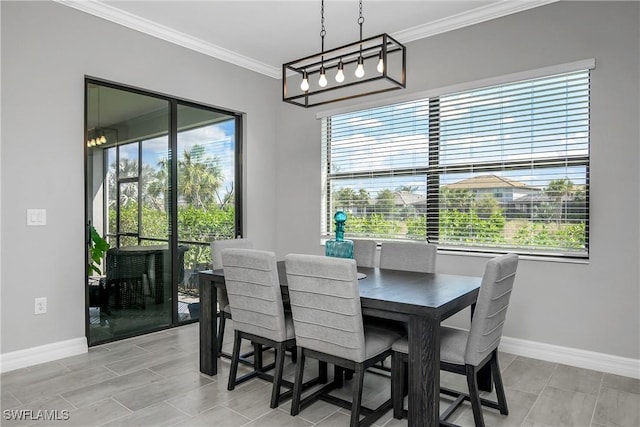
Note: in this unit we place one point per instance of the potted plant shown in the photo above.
(98, 246)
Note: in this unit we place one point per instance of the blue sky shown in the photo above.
(218, 140)
(524, 122)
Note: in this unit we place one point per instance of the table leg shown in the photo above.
(424, 371)
(208, 328)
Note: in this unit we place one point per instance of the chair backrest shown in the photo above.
(364, 252)
(409, 256)
(325, 305)
(254, 292)
(122, 264)
(491, 308)
(218, 245)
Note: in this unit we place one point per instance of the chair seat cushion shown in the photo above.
(453, 343)
(379, 339)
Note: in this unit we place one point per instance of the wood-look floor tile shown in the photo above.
(617, 408)
(179, 365)
(8, 400)
(561, 408)
(154, 380)
(100, 356)
(144, 361)
(160, 415)
(252, 404)
(33, 374)
(37, 390)
(576, 379)
(84, 396)
(217, 416)
(339, 418)
(528, 375)
(518, 402)
(165, 389)
(630, 385)
(278, 418)
(206, 397)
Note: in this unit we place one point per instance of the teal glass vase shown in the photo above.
(338, 247)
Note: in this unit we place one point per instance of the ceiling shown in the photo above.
(262, 35)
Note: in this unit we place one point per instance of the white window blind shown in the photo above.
(500, 168)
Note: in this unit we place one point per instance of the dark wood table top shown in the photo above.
(403, 292)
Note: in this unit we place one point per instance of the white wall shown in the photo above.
(47, 49)
(592, 307)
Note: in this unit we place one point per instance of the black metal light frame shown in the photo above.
(382, 46)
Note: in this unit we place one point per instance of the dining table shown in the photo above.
(421, 300)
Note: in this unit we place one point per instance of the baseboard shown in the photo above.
(41, 354)
(617, 365)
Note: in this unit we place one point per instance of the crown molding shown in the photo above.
(135, 22)
(465, 19)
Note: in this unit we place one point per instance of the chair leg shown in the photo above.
(221, 327)
(235, 357)
(277, 375)
(257, 357)
(398, 368)
(497, 380)
(357, 395)
(297, 385)
(474, 396)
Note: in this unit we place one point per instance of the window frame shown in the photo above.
(433, 169)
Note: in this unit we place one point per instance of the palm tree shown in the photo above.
(560, 191)
(199, 177)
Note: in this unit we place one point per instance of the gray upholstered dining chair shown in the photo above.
(409, 256)
(466, 352)
(327, 318)
(255, 300)
(217, 246)
(364, 252)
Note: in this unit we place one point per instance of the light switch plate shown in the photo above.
(36, 217)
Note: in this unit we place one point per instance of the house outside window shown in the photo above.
(502, 168)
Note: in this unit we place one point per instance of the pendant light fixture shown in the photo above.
(370, 65)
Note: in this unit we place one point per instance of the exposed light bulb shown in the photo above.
(360, 68)
(103, 139)
(305, 82)
(323, 78)
(340, 73)
(380, 66)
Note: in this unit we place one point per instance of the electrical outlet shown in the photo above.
(41, 305)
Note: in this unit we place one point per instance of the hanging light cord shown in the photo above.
(360, 22)
(323, 32)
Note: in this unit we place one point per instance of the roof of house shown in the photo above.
(489, 181)
(406, 198)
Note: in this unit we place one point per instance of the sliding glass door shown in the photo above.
(206, 192)
(151, 215)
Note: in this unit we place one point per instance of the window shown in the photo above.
(499, 168)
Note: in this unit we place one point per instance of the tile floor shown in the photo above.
(154, 380)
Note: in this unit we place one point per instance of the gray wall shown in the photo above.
(47, 49)
(594, 306)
